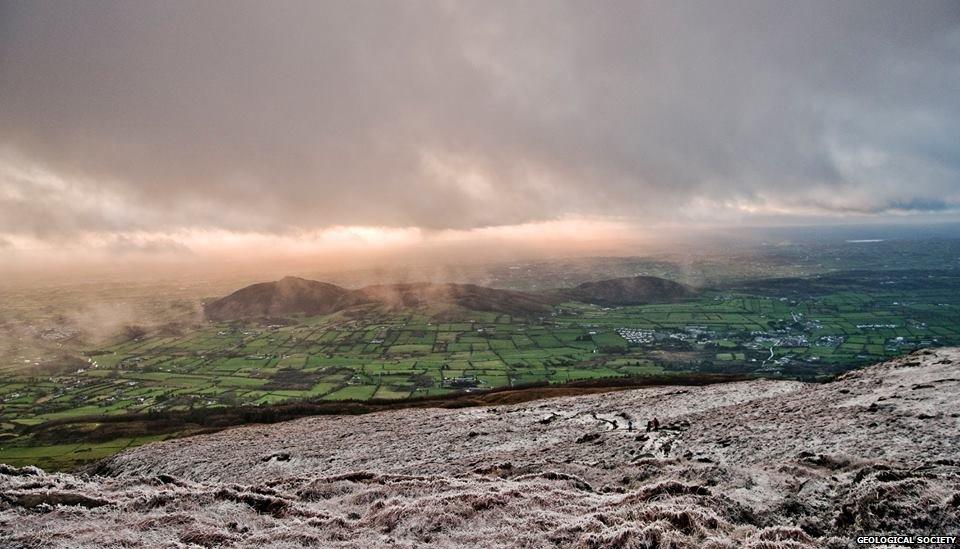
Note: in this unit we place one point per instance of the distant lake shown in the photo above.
(865, 240)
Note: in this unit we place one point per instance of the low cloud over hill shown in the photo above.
(292, 295)
(750, 464)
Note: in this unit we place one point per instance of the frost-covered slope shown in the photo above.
(761, 463)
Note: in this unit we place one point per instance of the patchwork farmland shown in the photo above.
(368, 353)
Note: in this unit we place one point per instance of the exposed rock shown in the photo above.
(753, 464)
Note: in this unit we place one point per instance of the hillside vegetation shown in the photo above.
(292, 295)
(635, 290)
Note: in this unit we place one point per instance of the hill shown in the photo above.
(762, 463)
(636, 290)
(287, 296)
(293, 295)
(467, 296)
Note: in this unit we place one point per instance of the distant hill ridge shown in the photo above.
(293, 295)
(634, 290)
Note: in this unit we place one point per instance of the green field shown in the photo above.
(372, 354)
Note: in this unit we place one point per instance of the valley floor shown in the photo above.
(758, 463)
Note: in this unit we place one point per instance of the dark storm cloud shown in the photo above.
(277, 116)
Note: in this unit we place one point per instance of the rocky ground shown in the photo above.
(763, 464)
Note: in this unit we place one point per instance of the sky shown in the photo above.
(204, 129)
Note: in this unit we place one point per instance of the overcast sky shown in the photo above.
(173, 119)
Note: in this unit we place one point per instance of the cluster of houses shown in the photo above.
(461, 382)
(635, 336)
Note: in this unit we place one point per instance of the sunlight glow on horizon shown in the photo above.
(337, 239)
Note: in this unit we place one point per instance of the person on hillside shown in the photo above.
(656, 424)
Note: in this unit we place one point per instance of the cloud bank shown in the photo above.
(290, 117)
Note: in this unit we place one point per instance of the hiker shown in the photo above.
(649, 425)
(656, 424)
